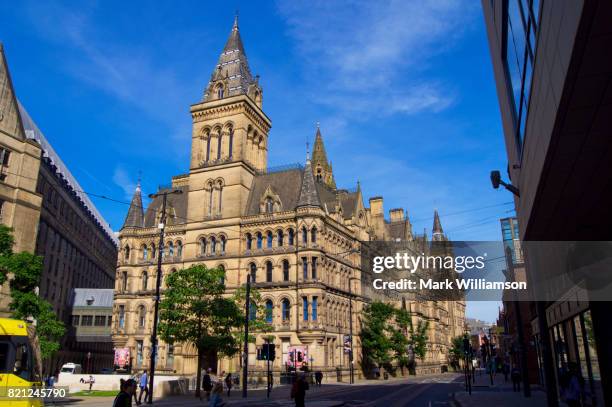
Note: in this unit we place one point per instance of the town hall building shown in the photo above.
(291, 229)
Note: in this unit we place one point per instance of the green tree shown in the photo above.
(456, 350)
(24, 270)
(375, 340)
(418, 339)
(257, 318)
(399, 337)
(195, 311)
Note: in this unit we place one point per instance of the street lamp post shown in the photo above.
(351, 360)
(247, 312)
(162, 229)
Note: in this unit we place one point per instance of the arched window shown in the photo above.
(124, 281)
(249, 241)
(210, 199)
(213, 245)
(269, 240)
(290, 237)
(279, 238)
(145, 252)
(126, 253)
(253, 272)
(269, 205)
(202, 247)
(219, 143)
(269, 308)
(220, 91)
(220, 198)
(285, 270)
(252, 311)
(179, 249)
(286, 310)
(223, 243)
(231, 142)
(269, 271)
(153, 254)
(313, 234)
(208, 147)
(145, 280)
(259, 240)
(142, 314)
(170, 249)
(304, 235)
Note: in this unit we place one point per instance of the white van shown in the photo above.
(71, 368)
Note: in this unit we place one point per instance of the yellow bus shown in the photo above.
(20, 364)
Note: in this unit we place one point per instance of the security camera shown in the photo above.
(495, 179)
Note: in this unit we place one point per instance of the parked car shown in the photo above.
(71, 368)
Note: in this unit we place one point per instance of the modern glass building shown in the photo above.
(552, 62)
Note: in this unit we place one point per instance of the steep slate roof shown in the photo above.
(309, 195)
(285, 184)
(10, 119)
(176, 205)
(233, 66)
(135, 215)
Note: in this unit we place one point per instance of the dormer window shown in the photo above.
(220, 91)
(269, 205)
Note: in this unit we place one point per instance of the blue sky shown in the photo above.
(403, 90)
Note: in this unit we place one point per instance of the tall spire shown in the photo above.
(10, 119)
(308, 193)
(321, 165)
(437, 232)
(135, 215)
(232, 71)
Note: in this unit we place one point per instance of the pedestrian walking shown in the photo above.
(126, 389)
(91, 382)
(516, 379)
(572, 385)
(207, 384)
(216, 399)
(228, 383)
(144, 387)
(136, 380)
(298, 390)
(319, 377)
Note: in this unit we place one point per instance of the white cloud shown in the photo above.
(123, 180)
(371, 57)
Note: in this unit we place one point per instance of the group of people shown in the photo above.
(128, 389)
(214, 388)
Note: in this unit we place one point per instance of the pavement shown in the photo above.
(499, 394)
(426, 390)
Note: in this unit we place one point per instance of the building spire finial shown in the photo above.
(235, 27)
(307, 151)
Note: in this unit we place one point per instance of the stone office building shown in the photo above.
(291, 229)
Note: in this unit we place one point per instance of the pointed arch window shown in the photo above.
(142, 316)
(179, 249)
(304, 235)
(279, 238)
(127, 253)
(269, 205)
(170, 249)
(253, 272)
(269, 310)
(269, 240)
(145, 252)
(290, 237)
(269, 271)
(213, 245)
(313, 235)
(219, 144)
(259, 240)
(223, 244)
(286, 310)
(145, 280)
(249, 241)
(285, 270)
(124, 280)
(252, 311)
(231, 142)
(208, 147)
(210, 199)
(153, 253)
(220, 198)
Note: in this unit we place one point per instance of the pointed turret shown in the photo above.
(10, 119)
(308, 193)
(232, 75)
(135, 215)
(437, 232)
(322, 167)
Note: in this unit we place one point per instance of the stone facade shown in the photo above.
(291, 229)
(19, 165)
